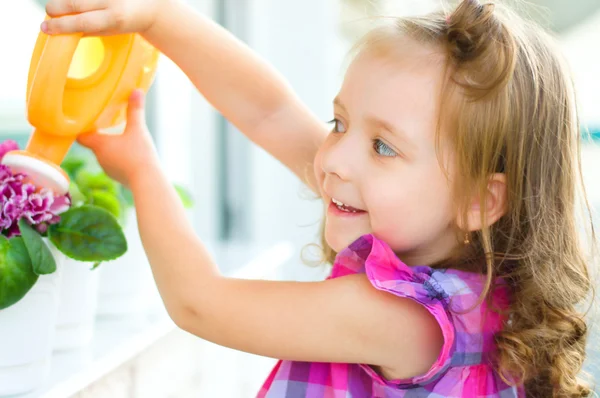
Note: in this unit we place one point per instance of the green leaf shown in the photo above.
(185, 196)
(77, 197)
(88, 182)
(105, 200)
(41, 257)
(89, 233)
(71, 165)
(16, 272)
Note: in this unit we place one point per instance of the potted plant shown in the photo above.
(80, 280)
(38, 230)
(79, 288)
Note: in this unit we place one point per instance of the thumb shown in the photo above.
(136, 113)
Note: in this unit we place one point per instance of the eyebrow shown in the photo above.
(382, 124)
(338, 102)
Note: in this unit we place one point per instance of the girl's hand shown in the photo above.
(123, 156)
(101, 17)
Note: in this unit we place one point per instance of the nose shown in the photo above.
(341, 157)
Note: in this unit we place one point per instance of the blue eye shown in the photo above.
(338, 127)
(383, 149)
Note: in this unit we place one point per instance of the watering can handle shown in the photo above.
(46, 92)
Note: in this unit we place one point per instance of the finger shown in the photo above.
(57, 8)
(92, 140)
(88, 22)
(136, 114)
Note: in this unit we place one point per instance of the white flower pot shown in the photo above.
(126, 284)
(77, 308)
(27, 334)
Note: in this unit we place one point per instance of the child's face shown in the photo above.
(381, 158)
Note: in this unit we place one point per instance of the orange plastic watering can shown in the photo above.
(76, 85)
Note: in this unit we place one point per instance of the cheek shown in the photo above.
(410, 213)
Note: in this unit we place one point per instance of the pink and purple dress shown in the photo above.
(464, 367)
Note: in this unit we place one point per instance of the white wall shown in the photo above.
(18, 35)
(300, 38)
(580, 46)
(185, 130)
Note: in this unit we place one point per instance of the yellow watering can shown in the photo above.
(76, 85)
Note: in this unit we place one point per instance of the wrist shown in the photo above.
(163, 12)
(142, 174)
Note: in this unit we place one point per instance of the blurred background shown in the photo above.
(241, 194)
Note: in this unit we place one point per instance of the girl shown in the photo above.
(449, 185)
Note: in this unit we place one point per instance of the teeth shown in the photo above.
(337, 202)
(343, 207)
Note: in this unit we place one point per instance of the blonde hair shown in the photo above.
(513, 112)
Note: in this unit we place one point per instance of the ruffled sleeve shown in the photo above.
(387, 273)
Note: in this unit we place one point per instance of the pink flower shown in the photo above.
(20, 199)
(7, 146)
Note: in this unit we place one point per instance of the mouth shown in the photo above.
(339, 205)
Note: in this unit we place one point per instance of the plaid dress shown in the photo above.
(464, 367)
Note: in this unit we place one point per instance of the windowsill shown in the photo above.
(118, 340)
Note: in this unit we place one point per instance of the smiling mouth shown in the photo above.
(345, 208)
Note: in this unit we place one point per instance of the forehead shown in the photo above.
(396, 69)
(399, 82)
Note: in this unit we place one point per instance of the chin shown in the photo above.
(338, 241)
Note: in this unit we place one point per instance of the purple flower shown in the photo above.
(7, 146)
(42, 228)
(60, 204)
(20, 199)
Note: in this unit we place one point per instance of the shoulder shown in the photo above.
(454, 290)
(408, 319)
(435, 303)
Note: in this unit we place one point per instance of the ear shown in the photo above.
(494, 205)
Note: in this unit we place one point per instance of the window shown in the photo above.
(18, 33)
